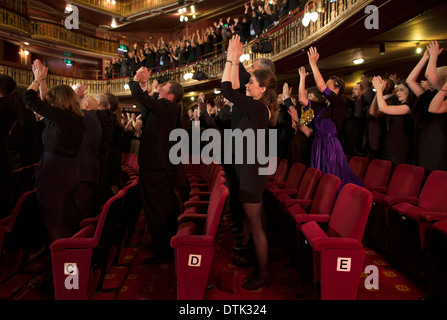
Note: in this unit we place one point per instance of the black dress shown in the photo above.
(58, 171)
(251, 183)
(397, 139)
(430, 135)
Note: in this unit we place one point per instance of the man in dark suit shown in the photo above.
(157, 173)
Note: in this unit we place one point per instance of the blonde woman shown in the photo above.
(58, 173)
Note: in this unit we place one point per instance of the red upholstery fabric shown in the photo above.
(411, 224)
(359, 165)
(338, 253)
(350, 213)
(194, 246)
(377, 175)
(91, 250)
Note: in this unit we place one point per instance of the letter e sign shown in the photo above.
(344, 264)
(194, 260)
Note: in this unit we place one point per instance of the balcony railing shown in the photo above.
(286, 38)
(124, 8)
(57, 33)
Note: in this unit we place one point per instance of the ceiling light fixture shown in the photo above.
(68, 8)
(418, 49)
(358, 61)
(382, 48)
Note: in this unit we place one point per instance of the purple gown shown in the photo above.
(327, 153)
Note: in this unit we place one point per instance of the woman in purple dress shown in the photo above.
(327, 152)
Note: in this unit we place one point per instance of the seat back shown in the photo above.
(406, 181)
(359, 165)
(281, 172)
(325, 195)
(378, 173)
(433, 195)
(309, 184)
(350, 214)
(294, 176)
(215, 209)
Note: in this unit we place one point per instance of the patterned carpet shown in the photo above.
(131, 279)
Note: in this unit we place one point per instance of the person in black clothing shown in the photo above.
(114, 160)
(58, 171)
(8, 116)
(260, 106)
(157, 174)
(88, 158)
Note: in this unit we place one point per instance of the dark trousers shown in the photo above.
(161, 208)
(82, 205)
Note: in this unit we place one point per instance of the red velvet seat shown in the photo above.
(411, 223)
(377, 175)
(278, 220)
(359, 165)
(406, 181)
(291, 183)
(332, 259)
(89, 253)
(281, 172)
(319, 211)
(20, 233)
(437, 260)
(195, 245)
(305, 192)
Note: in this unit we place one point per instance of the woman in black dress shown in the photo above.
(399, 124)
(57, 174)
(260, 113)
(430, 120)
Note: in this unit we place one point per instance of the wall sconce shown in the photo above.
(311, 16)
(187, 76)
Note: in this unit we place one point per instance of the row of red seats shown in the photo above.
(323, 228)
(82, 261)
(195, 241)
(406, 215)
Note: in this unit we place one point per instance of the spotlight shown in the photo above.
(358, 61)
(68, 8)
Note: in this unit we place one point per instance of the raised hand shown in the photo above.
(39, 71)
(433, 48)
(302, 72)
(293, 114)
(286, 91)
(313, 55)
(378, 84)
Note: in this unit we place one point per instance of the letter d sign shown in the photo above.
(194, 260)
